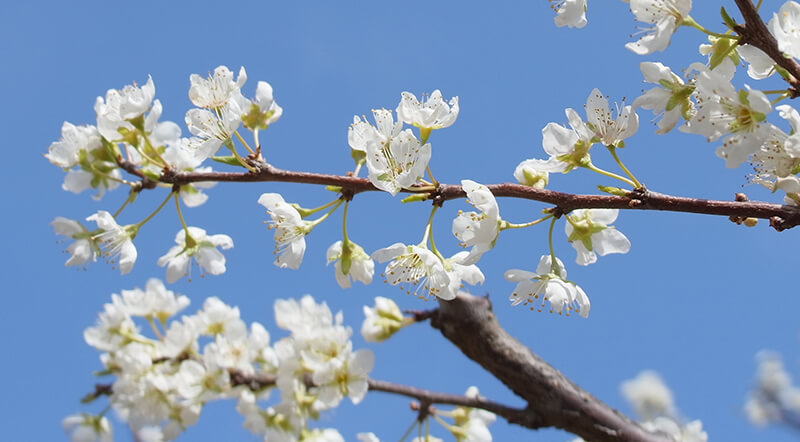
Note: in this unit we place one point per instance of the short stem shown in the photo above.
(409, 430)
(776, 91)
(435, 183)
(240, 159)
(337, 203)
(158, 209)
(180, 216)
(594, 168)
(428, 225)
(508, 225)
(357, 169)
(613, 151)
(309, 212)
(689, 21)
(345, 239)
(155, 329)
(244, 143)
(553, 259)
(116, 214)
(778, 99)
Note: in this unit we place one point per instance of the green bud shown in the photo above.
(415, 198)
(228, 159)
(616, 191)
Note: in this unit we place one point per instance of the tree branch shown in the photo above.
(755, 32)
(553, 400)
(781, 216)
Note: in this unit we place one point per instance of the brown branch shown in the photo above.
(755, 32)
(553, 400)
(781, 216)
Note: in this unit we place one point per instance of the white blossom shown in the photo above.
(215, 91)
(359, 265)
(477, 230)
(88, 428)
(397, 163)
(665, 16)
(382, 321)
(417, 266)
(65, 152)
(290, 230)
(590, 234)
(548, 284)
(121, 106)
(784, 26)
(608, 130)
(649, 396)
(346, 376)
(201, 247)
(428, 114)
(570, 13)
(670, 100)
(84, 248)
(155, 301)
(361, 132)
(117, 240)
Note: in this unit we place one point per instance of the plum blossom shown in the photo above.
(382, 321)
(427, 114)
(590, 234)
(774, 394)
(527, 175)
(345, 376)
(115, 112)
(155, 301)
(608, 130)
(570, 13)
(417, 266)
(665, 16)
(88, 428)
(477, 230)
(550, 284)
(350, 262)
(459, 270)
(649, 396)
(361, 132)
(195, 244)
(117, 240)
(722, 110)
(290, 230)
(215, 91)
(65, 153)
(670, 101)
(84, 248)
(262, 111)
(398, 163)
(784, 26)
(472, 424)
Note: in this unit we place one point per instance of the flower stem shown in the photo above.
(336, 204)
(158, 209)
(613, 151)
(779, 98)
(435, 183)
(180, 216)
(345, 239)
(155, 329)
(409, 430)
(689, 21)
(239, 158)
(594, 168)
(553, 261)
(244, 143)
(507, 225)
(116, 214)
(428, 228)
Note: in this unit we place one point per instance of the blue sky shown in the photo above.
(695, 298)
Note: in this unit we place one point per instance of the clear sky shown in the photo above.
(695, 298)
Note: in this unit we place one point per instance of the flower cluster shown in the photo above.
(163, 381)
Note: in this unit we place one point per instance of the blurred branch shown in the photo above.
(781, 216)
(553, 400)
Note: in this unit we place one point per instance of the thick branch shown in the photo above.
(755, 32)
(553, 400)
(781, 216)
